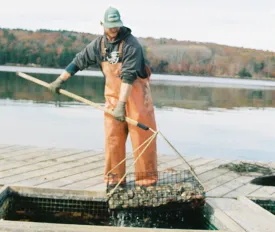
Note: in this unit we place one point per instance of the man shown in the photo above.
(127, 93)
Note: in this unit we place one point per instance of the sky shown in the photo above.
(241, 23)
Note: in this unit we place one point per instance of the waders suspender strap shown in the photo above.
(120, 49)
(103, 49)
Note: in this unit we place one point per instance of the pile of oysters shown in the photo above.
(155, 196)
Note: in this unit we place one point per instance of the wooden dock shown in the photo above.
(75, 169)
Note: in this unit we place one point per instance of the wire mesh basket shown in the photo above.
(140, 190)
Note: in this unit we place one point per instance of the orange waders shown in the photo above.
(139, 107)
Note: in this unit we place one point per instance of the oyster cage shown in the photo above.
(141, 190)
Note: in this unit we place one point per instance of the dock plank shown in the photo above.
(38, 153)
(65, 156)
(87, 183)
(176, 164)
(244, 190)
(220, 180)
(250, 218)
(212, 174)
(191, 161)
(17, 155)
(12, 163)
(44, 156)
(166, 157)
(12, 149)
(230, 186)
(169, 164)
(35, 177)
(2, 146)
(202, 161)
(97, 187)
(210, 166)
(74, 176)
(263, 191)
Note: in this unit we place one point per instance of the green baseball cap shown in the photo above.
(112, 18)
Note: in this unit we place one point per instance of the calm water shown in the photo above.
(234, 123)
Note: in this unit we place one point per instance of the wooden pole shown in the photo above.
(81, 99)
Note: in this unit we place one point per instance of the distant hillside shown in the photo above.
(49, 48)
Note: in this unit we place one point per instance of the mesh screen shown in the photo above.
(55, 210)
(38, 209)
(269, 205)
(4, 205)
(142, 190)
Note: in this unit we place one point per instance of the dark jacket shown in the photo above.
(133, 63)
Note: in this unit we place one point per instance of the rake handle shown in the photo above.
(81, 99)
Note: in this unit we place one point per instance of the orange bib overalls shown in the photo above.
(139, 107)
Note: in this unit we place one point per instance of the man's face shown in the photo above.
(111, 33)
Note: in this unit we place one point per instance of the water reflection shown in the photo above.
(92, 88)
(242, 133)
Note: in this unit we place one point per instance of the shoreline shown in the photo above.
(165, 79)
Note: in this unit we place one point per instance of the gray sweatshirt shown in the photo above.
(133, 63)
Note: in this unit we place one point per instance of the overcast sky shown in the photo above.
(242, 23)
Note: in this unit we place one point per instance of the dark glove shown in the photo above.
(55, 85)
(119, 111)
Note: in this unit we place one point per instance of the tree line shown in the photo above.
(56, 49)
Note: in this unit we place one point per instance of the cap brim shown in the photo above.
(112, 25)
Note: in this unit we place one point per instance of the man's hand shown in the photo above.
(119, 111)
(55, 85)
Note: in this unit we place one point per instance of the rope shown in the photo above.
(130, 153)
(149, 142)
(190, 167)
